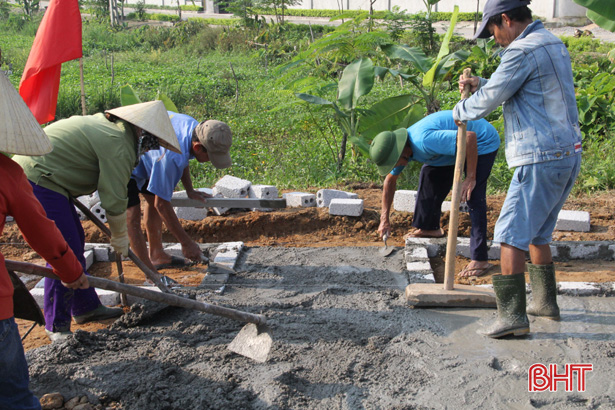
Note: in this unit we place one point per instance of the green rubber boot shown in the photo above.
(510, 299)
(544, 292)
(100, 313)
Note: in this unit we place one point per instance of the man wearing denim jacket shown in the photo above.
(534, 84)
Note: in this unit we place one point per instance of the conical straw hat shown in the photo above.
(20, 133)
(153, 118)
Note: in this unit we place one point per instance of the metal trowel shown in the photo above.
(386, 251)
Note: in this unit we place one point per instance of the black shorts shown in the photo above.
(133, 192)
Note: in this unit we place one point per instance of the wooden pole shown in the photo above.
(167, 298)
(453, 225)
(84, 110)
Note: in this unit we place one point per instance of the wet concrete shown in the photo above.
(343, 339)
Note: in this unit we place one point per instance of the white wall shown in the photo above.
(547, 9)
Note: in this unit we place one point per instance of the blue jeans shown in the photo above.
(536, 194)
(14, 377)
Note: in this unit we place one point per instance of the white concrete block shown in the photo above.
(183, 194)
(463, 206)
(190, 214)
(577, 221)
(404, 200)
(102, 253)
(348, 207)
(89, 200)
(99, 212)
(324, 196)
(494, 251)
(233, 187)
(9, 218)
(107, 297)
(263, 192)
(433, 245)
(463, 247)
(421, 267)
(219, 210)
(416, 254)
(81, 215)
(584, 250)
(299, 199)
(40, 284)
(430, 278)
(89, 258)
(228, 253)
(578, 288)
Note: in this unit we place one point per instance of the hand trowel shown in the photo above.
(386, 251)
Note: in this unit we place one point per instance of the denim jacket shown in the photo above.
(535, 85)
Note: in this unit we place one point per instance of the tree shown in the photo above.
(278, 7)
(29, 6)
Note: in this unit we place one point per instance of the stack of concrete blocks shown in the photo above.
(325, 196)
(230, 187)
(93, 203)
(339, 202)
(299, 199)
(263, 192)
(573, 221)
(417, 263)
(191, 213)
(89, 201)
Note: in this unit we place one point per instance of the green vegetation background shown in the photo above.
(228, 74)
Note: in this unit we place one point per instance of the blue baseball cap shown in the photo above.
(493, 8)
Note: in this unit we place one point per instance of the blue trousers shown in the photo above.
(434, 185)
(14, 378)
(61, 302)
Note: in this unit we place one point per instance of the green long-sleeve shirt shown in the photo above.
(89, 153)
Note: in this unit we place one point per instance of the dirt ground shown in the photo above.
(305, 261)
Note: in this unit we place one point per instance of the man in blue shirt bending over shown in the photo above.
(156, 176)
(433, 142)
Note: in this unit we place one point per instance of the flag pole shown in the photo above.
(84, 110)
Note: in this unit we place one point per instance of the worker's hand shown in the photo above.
(119, 233)
(384, 228)
(466, 189)
(473, 81)
(80, 283)
(459, 123)
(198, 195)
(192, 251)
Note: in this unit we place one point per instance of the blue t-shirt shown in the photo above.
(434, 139)
(162, 167)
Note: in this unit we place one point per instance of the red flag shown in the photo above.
(57, 40)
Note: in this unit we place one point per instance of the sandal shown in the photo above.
(478, 272)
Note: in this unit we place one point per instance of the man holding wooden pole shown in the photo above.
(534, 83)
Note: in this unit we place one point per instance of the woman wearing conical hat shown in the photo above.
(21, 134)
(92, 152)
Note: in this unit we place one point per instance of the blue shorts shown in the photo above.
(536, 194)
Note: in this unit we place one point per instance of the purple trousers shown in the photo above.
(61, 302)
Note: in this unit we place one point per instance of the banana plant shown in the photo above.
(427, 74)
(128, 96)
(600, 12)
(357, 81)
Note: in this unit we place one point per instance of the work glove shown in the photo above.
(119, 233)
